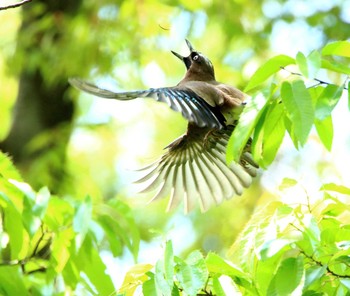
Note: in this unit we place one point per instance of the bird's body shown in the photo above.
(194, 166)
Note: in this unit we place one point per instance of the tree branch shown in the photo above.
(15, 5)
(322, 265)
(24, 261)
(316, 79)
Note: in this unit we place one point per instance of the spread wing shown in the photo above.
(180, 99)
(194, 170)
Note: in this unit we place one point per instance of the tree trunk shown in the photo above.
(43, 111)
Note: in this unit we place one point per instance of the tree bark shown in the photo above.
(43, 112)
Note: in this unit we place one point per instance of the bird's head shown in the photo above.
(197, 64)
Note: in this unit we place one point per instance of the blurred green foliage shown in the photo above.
(46, 239)
(56, 243)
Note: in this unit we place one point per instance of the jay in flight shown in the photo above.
(193, 169)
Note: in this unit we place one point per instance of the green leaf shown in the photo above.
(148, 287)
(325, 131)
(309, 66)
(7, 169)
(169, 264)
(346, 283)
(34, 209)
(244, 129)
(272, 247)
(271, 67)
(110, 228)
(71, 274)
(314, 63)
(341, 289)
(217, 287)
(334, 66)
(313, 274)
(289, 275)
(135, 276)
(287, 183)
(311, 230)
(333, 210)
(257, 145)
(271, 290)
(302, 64)
(336, 207)
(327, 100)
(192, 273)
(90, 262)
(349, 95)
(218, 265)
(164, 275)
(61, 251)
(251, 235)
(315, 93)
(298, 103)
(30, 222)
(161, 280)
(117, 220)
(12, 281)
(337, 188)
(340, 48)
(58, 213)
(41, 202)
(290, 129)
(343, 258)
(81, 221)
(175, 291)
(13, 226)
(272, 134)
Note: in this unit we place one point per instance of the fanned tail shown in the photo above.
(194, 170)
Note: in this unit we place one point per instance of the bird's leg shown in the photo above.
(211, 138)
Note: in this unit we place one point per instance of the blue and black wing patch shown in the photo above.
(188, 103)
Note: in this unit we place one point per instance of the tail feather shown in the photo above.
(194, 170)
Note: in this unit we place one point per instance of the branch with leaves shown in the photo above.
(319, 81)
(269, 258)
(41, 250)
(302, 107)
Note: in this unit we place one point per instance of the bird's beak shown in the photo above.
(190, 47)
(178, 55)
(186, 60)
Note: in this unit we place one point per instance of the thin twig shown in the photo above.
(319, 263)
(290, 72)
(316, 79)
(15, 5)
(38, 242)
(24, 261)
(322, 265)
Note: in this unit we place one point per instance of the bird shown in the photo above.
(193, 169)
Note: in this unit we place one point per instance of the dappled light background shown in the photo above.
(124, 45)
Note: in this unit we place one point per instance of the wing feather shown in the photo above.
(192, 107)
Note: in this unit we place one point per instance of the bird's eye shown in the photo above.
(196, 57)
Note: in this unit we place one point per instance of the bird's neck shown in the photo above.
(198, 76)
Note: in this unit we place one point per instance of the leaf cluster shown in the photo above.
(49, 244)
(293, 105)
(285, 249)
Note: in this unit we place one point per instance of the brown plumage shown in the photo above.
(194, 168)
